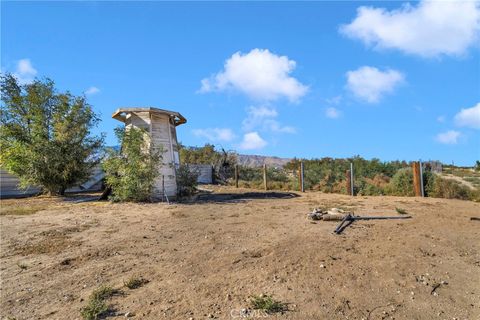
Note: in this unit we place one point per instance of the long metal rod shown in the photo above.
(349, 219)
(379, 218)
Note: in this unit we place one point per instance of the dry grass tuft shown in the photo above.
(96, 305)
(135, 282)
(21, 211)
(268, 304)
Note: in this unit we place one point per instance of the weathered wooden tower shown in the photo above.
(161, 126)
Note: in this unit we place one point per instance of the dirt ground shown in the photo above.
(205, 259)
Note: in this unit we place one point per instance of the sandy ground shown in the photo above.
(205, 259)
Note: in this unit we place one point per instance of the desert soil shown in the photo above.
(206, 258)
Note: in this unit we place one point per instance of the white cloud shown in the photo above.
(448, 137)
(252, 140)
(370, 83)
(441, 119)
(429, 29)
(334, 100)
(25, 72)
(469, 117)
(259, 74)
(275, 126)
(92, 90)
(263, 117)
(215, 134)
(256, 116)
(332, 113)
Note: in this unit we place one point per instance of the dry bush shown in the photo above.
(449, 189)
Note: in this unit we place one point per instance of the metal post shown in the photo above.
(302, 177)
(352, 183)
(421, 179)
(163, 187)
(265, 177)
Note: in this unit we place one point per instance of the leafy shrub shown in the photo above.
(367, 188)
(45, 136)
(223, 161)
(131, 172)
(401, 183)
(186, 180)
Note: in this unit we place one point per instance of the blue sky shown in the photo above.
(310, 79)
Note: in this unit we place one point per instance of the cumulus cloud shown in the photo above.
(428, 29)
(92, 90)
(215, 134)
(259, 74)
(263, 117)
(25, 72)
(332, 113)
(469, 117)
(252, 140)
(448, 137)
(371, 84)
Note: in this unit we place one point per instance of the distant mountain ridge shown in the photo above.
(257, 161)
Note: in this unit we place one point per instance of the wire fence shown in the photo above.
(332, 177)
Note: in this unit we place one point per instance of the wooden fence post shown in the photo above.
(416, 179)
(265, 177)
(348, 176)
(299, 176)
(302, 176)
(352, 180)
(236, 176)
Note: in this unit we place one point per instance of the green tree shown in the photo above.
(223, 161)
(45, 136)
(131, 172)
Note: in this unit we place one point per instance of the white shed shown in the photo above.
(161, 125)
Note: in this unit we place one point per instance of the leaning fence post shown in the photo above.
(236, 176)
(416, 178)
(265, 176)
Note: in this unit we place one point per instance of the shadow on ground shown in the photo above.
(241, 197)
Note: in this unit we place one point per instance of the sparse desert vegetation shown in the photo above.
(210, 257)
(96, 304)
